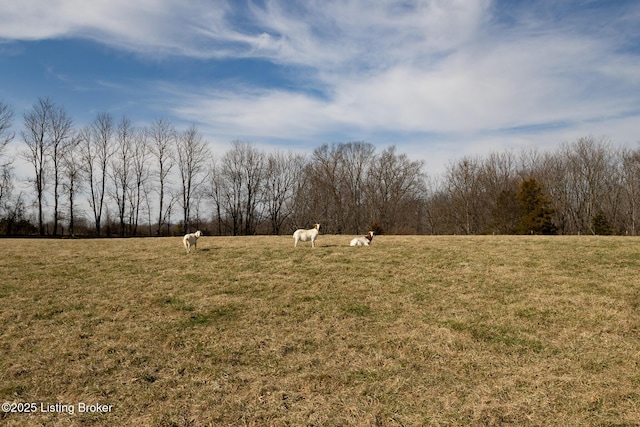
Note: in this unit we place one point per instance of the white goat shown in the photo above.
(362, 241)
(304, 235)
(191, 239)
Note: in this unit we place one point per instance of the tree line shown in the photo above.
(588, 187)
(111, 178)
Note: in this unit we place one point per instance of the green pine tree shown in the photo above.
(505, 214)
(536, 213)
(601, 225)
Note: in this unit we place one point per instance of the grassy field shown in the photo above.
(248, 331)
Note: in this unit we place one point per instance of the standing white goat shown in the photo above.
(191, 239)
(304, 235)
(362, 241)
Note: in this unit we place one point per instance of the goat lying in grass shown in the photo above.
(362, 241)
(304, 235)
(191, 239)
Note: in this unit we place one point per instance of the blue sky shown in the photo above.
(438, 78)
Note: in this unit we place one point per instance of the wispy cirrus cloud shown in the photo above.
(360, 34)
(495, 77)
(482, 72)
(157, 27)
(313, 33)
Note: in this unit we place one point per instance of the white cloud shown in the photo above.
(458, 69)
(481, 87)
(430, 66)
(159, 27)
(360, 34)
(314, 33)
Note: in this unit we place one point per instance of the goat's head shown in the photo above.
(369, 236)
(198, 234)
(317, 227)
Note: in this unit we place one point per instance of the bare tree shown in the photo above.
(72, 170)
(431, 221)
(354, 188)
(237, 183)
(463, 186)
(197, 206)
(15, 216)
(147, 198)
(140, 159)
(589, 173)
(303, 199)
(630, 181)
(6, 186)
(96, 150)
(499, 181)
(173, 200)
(325, 196)
(253, 164)
(122, 168)
(60, 129)
(216, 192)
(355, 162)
(282, 171)
(35, 136)
(193, 154)
(6, 136)
(162, 137)
(394, 185)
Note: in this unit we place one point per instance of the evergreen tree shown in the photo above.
(535, 210)
(505, 214)
(601, 225)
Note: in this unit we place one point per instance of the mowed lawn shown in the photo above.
(248, 331)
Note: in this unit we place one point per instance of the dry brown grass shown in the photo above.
(251, 332)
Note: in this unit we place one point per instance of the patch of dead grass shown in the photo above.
(250, 331)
